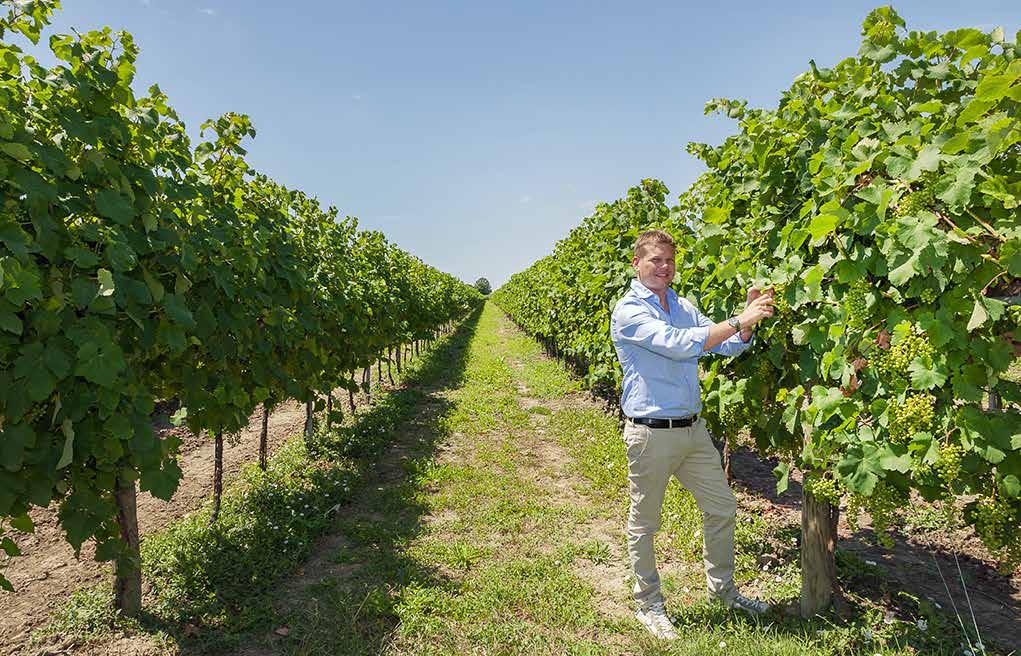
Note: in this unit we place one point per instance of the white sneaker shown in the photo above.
(748, 605)
(655, 619)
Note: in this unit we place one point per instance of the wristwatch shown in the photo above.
(736, 323)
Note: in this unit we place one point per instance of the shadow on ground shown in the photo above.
(338, 600)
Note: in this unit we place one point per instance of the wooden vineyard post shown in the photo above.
(818, 564)
(309, 419)
(329, 410)
(127, 586)
(217, 476)
(263, 436)
(726, 458)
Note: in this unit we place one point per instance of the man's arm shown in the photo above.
(634, 323)
(729, 342)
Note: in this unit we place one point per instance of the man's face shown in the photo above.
(656, 267)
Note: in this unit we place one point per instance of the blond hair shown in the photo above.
(653, 238)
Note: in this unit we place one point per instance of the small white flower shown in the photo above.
(922, 625)
(723, 644)
(870, 562)
(867, 634)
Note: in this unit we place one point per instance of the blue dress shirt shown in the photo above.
(659, 353)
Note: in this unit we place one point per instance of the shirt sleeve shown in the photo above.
(634, 323)
(729, 347)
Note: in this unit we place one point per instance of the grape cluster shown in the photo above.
(912, 416)
(928, 295)
(893, 364)
(823, 488)
(924, 198)
(948, 465)
(996, 523)
(881, 506)
(783, 316)
(734, 417)
(855, 304)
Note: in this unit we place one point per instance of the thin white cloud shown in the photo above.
(356, 96)
(525, 199)
(207, 11)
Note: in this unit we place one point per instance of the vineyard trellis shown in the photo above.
(136, 268)
(880, 201)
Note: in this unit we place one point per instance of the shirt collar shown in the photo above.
(645, 292)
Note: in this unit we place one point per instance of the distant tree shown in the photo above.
(483, 286)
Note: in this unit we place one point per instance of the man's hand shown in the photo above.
(759, 307)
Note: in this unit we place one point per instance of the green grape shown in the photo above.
(734, 417)
(996, 524)
(858, 314)
(893, 364)
(881, 506)
(783, 316)
(928, 295)
(823, 488)
(948, 465)
(924, 198)
(913, 415)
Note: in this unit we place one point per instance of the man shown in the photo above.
(659, 338)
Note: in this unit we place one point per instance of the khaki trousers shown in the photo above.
(653, 455)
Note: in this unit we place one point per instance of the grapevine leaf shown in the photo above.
(860, 469)
(82, 257)
(925, 374)
(10, 547)
(928, 159)
(1011, 485)
(161, 483)
(14, 440)
(10, 322)
(68, 452)
(105, 278)
(178, 311)
(115, 206)
(895, 457)
(822, 225)
(18, 151)
(100, 360)
(23, 523)
(956, 190)
(782, 472)
(155, 286)
(978, 316)
(40, 384)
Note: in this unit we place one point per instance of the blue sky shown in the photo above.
(476, 134)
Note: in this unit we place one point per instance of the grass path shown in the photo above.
(503, 534)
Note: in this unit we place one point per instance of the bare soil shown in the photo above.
(48, 571)
(918, 563)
